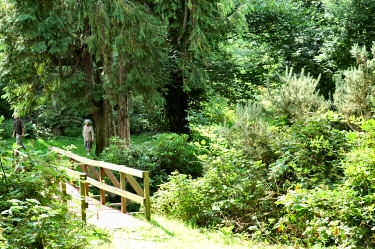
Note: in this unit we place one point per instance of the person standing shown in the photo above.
(19, 131)
(88, 136)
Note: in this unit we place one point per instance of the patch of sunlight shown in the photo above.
(165, 233)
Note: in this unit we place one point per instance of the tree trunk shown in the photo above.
(124, 119)
(103, 117)
(177, 104)
(57, 131)
(123, 103)
(101, 110)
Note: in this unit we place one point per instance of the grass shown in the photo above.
(167, 233)
(75, 145)
(41, 144)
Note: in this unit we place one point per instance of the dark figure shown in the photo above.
(19, 131)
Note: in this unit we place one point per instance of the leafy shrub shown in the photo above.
(57, 120)
(28, 224)
(31, 215)
(297, 97)
(340, 215)
(327, 217)
(73, 131)
(165, 154)
(355, 93)
(359, 164)
(30, 129)
(7, 128)
(309, 153)
(228, 194)
(146, 116)
(251, 133)
(216, 110)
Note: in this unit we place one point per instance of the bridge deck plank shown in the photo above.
(100, 215)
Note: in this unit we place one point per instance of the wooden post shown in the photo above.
(86, 184)
(123, 187)
(102, 193)
(64, 194)
(82, 181)
(146, 187)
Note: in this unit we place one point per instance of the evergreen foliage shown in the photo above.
(355, 93)
(297, 97)
(194, 30)
(251, 132)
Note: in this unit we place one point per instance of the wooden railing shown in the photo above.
(89, 166)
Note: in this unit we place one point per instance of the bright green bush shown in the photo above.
(343, 214)
(165, 154)
(240, 192)
(251, 133)
(359, 164)
(228, 194)
(326, 217)
(215, 110)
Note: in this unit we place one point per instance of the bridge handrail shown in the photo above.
(126, 173)
(111, 166)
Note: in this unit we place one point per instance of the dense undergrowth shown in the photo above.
(32, 215)
(285, 168)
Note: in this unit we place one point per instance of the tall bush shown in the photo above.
(251, 132)
(309, 153)
(228, 194)
(297, 96)
(340, 215)
(355, 92)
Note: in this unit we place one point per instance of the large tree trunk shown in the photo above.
(177, 104)
(123, 103)
(101, 110)
(123, 119)
(103, 117)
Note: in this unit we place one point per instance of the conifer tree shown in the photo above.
(194, 29)
(355, 92)
(128, 40)
(90, 54)
(298, 96)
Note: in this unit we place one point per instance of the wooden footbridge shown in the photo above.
(93, 175)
